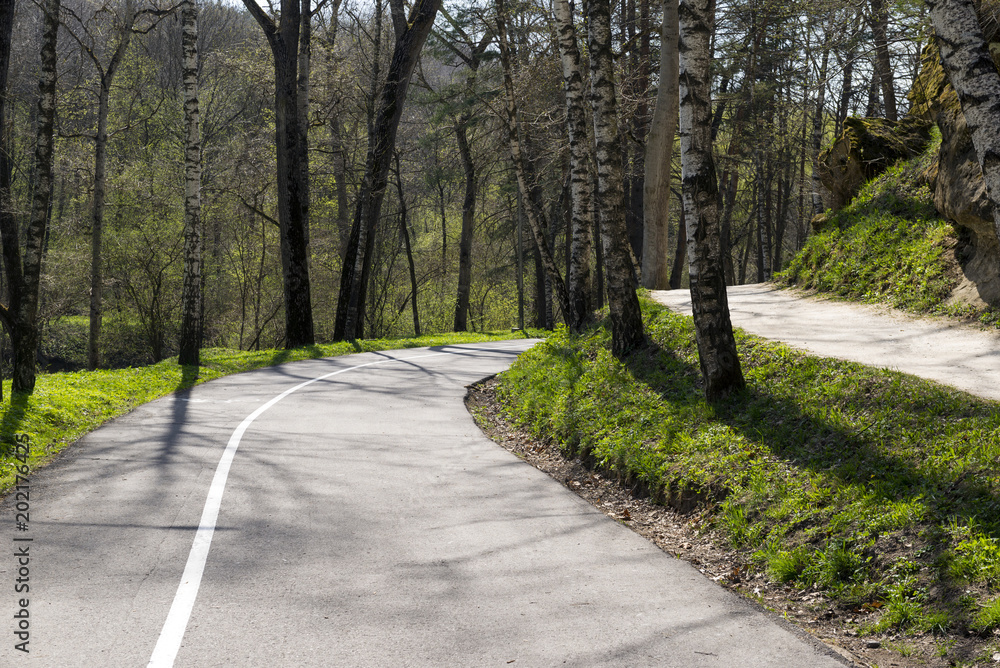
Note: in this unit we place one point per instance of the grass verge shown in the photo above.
(65, 406)
(876, 488)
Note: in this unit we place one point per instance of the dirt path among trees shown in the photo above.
(949, 352)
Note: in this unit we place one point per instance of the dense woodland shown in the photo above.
(279, 163)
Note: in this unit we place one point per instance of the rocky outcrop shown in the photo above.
(957, 180)
(865, 148)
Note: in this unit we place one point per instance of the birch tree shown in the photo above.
(626, 318)
(717, 355)
(580, 284)
(191, 298)
(20, 314)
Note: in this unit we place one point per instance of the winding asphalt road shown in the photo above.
(952, 353)
(361, 519)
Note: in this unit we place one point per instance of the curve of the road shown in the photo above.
(357, 517)
(945, 351)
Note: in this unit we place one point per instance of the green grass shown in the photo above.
(65, 406)
(878, 488)
(888, 245)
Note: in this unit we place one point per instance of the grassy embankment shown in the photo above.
(888, 245)
(878, 488)
(66, 406)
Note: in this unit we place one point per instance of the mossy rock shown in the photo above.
(865, 149)
(955, 176)
(820, 222)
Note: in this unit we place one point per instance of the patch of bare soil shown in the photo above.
(688, 537)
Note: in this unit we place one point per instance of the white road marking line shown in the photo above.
(169, 642)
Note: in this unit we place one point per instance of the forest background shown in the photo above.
(784, 78)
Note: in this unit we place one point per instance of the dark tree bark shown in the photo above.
(106, 76)
(847, 77)
(817, 137)
(8, 223)
(405, 233)
(627, 333)
(879, 22)
(293, 167)
(468, 221)
(717, 355)
(461, 126)
(20, 314)
(381, 140)
(679, 254)
(191, 299)
(335, 127)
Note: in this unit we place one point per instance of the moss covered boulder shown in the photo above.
(956, 179)
(866, 148)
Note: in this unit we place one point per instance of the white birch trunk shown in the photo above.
(191, 299)
(720, 364)
(580, 286)
(627, 332)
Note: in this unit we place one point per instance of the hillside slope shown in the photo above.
(889, 245)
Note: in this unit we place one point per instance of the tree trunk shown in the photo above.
(659, 159)
(191, 299)
(23, 277)
(679, 254)
(731, 183)
(292, 171)
(335, 127)
(468, 220)
(340, 177)
(405, 233)
(382, 139)
(880, 23)
(302, 113)
(541, 288)
(847, 83)
(532, 208)
(970, 69)
(580, 282)
(626, 319)
(8, 224)
(97, 227)
(817, 138)
(720, 364)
